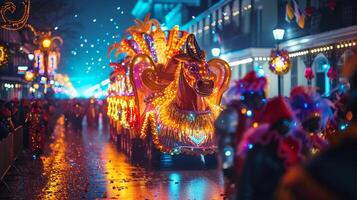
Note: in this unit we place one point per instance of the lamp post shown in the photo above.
(47, 57)
(46, 44)
(278, 33)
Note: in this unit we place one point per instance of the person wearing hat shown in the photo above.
(312, 113)
(246, 100)
(36, 130)
(268, 150)
(6, 125)
(332, 174)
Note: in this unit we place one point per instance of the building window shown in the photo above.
(214, 18)
(207, 24)
(200, 32)
(194, 28)
(321, 66)
(207, 31)
(294, 73)
(200, 27)
(220, 16)
(347, 15)
(235, 13)
(246, 16)
(227, 14)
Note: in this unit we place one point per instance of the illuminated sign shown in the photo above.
(22, 69)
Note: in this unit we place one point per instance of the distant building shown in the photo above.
(170, 12)
(241, 31)
(18, 45)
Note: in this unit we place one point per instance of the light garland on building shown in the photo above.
(4, 55)
(262, 58)
(299, 53)
(323, 49)
(346, 44)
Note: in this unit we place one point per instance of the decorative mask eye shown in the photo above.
(193, 68)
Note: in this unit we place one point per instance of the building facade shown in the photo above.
(242, 31)
(324, 44)
(17, 47)
(169, 12)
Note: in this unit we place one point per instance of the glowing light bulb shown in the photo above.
(228, 153)
(46, 43)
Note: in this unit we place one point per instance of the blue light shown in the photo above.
(228, 153)
(249, 113)
(260, 71)
(305, 105)
(343, 127)
(250, 146)
(295, 124)
(175, 177)
(158, 127)
(325, 66)
(197, 140)
(242, 97)
(191, 117)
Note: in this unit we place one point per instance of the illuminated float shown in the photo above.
(164, 96)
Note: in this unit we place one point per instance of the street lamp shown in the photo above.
(278, 33)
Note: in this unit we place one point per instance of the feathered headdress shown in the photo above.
(249, 83)
(306, 103)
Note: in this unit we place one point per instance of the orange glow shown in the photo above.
(255, 124)
(55, 163)
(29, 76)
(46, 43)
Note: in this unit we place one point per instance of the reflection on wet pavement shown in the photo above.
(88, 166)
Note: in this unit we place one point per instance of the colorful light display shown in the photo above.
(121, 100)
(39, 62)
(53, 60)
(29, 76)
(280, 62)
(168, 89)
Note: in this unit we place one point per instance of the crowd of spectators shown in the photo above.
(15, 113)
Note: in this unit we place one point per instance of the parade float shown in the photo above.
(164, 95)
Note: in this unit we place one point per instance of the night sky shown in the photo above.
(103, 22)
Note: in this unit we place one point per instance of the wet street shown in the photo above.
(89, 166)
